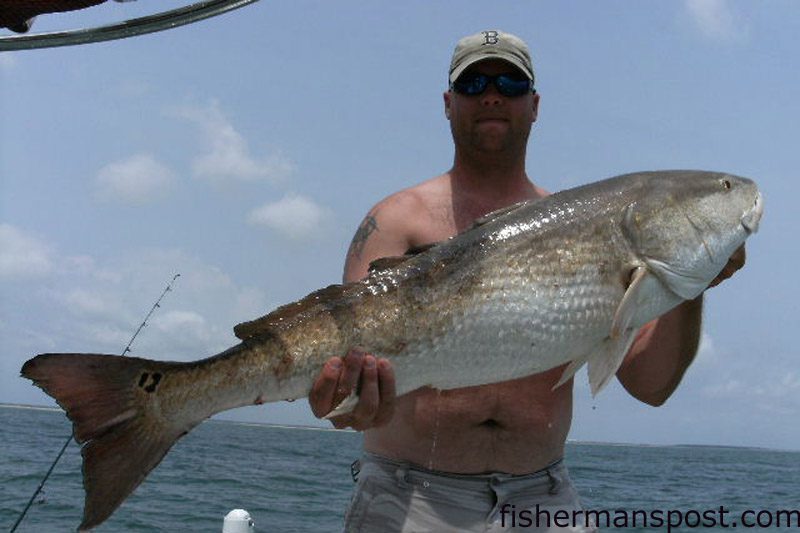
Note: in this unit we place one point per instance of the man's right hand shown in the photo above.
(372, 377)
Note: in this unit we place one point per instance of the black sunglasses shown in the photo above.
(506, 84)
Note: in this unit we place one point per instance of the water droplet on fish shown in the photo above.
(435, 435)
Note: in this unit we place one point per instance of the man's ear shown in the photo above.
(535, 106)
(447, 104)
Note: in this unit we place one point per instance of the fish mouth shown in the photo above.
(752, 217)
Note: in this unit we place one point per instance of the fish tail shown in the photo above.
(117, 416)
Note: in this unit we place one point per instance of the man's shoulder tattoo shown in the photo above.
(368, 226)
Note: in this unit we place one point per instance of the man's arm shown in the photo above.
(665, 347)
(661, 353)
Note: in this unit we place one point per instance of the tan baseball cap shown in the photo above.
(490, 44)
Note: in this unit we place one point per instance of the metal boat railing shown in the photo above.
(138, 26)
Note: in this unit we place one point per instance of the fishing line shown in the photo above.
(69, 439)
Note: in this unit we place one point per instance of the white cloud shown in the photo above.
(178, 320)
(724, 374)
(227, 154)
(114, 337)
(762, 390)
(293, 216)
(137, 180)
(716, 20)
(85, 301)
(23, 255)
(186, 328)
(725, 389)
(87, 310)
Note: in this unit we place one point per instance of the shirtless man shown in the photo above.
(453, 460)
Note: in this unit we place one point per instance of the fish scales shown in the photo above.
(548, 293)
(564, 280)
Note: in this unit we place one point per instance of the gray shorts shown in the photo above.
(397, 497)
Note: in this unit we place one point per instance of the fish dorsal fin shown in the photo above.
(282, 314)
(416, 250)
(386, 263)
(488, 217)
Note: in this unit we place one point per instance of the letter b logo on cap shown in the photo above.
(490, 37)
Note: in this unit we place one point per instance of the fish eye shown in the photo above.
(726, 184)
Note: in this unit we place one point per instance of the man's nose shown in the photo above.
(491, 96)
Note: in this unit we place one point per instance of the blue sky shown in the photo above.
(242, 152)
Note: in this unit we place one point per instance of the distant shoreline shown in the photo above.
(319, 428)
(57, 409)
(30, 406)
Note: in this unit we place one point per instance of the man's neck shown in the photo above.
(496, 183)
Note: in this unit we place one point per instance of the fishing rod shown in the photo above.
(127, 349)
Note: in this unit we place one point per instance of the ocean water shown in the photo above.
(298, 480)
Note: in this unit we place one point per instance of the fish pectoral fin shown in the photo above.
(604, 363)
(345, 406)
(630, 303)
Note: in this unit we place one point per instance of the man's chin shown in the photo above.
(491, 143)
(493, 128)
